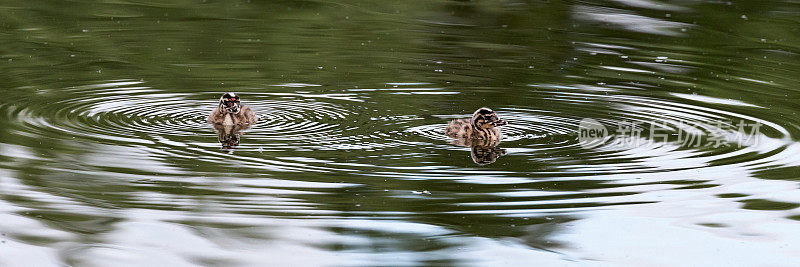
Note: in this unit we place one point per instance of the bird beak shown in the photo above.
(499, 123)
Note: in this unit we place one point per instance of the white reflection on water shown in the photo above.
(618, 18)
(715, 100)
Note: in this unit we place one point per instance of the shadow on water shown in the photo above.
(105, 155)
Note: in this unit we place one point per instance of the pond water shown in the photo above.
(106, 158)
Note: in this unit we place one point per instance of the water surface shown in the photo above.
(105, 156)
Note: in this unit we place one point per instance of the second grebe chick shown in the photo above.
(483, 125)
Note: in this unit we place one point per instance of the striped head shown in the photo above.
(230, 103)
(485, 118)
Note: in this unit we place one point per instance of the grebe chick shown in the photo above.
(230, 111)
(483, 125)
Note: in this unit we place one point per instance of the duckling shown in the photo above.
(230, 111)
(482, 125)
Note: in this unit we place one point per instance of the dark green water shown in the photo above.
(106, 159)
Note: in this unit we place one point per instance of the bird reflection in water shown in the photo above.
(228, 135)
(483, 151)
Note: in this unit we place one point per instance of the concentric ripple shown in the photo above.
(522, 124)
(123, 111)
(645, 133)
